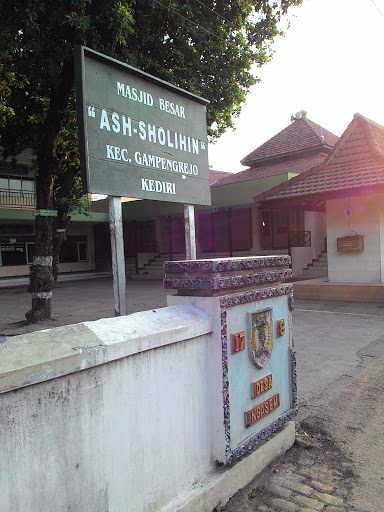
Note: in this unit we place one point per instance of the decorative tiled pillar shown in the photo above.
(252, 309)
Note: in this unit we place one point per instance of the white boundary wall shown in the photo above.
(119, 415)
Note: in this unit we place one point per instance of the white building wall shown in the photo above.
(349, 216)
(315, 223)
(301, 256)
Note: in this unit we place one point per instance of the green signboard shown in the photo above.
(45, 213)
(139, 136)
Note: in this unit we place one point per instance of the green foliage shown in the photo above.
(207, 47)
(68, 194)
(204, 46)
(9, 80)
(36, 44)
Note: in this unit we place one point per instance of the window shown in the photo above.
(73, 250)
(20, 251)
(68, 252)
(82, 248)
(18, 185)
(28, 185)
(30, 249)
(15, 184)
(13, 253)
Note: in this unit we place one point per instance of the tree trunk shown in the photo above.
(59, 236)
(41, 276)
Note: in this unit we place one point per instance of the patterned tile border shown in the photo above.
(225, 265)
(233, 300)
(224, 282)
(254, 295)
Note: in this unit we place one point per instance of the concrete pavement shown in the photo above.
(334, 342)
(337, 462)
(77, 301)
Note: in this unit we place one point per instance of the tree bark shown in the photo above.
(41, 275)
(40, 278)
(61, 223)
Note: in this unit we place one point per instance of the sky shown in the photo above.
(330, 63)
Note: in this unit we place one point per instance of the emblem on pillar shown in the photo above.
(261, 336)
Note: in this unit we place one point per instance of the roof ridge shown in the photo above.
(301, 134)
(367, 125)
(370, 121)
(310, 123)
(342, 140)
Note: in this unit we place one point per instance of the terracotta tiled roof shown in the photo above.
(302, 134)
(293, 167)
(377, 135)
(355, 166)
(215, 176)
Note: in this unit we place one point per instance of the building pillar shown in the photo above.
(256, 229)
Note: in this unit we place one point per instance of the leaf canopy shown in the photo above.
(204, 46)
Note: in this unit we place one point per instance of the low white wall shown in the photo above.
(301, 256)
(19, 270)
(23, 270)
(364, 219)
(114, 415)
(81, 266)
(145, 257)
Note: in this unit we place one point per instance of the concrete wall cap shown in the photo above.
(43, 355)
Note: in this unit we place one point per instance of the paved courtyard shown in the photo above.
(78, 301)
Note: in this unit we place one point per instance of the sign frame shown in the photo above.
(350, 244)
(144, 176)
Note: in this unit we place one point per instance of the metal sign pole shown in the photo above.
(118, 261)
(190, 233)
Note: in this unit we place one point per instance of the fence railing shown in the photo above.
(299, 239)
(100, 206)
(17, 199)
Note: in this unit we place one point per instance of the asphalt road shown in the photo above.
(334, 342)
